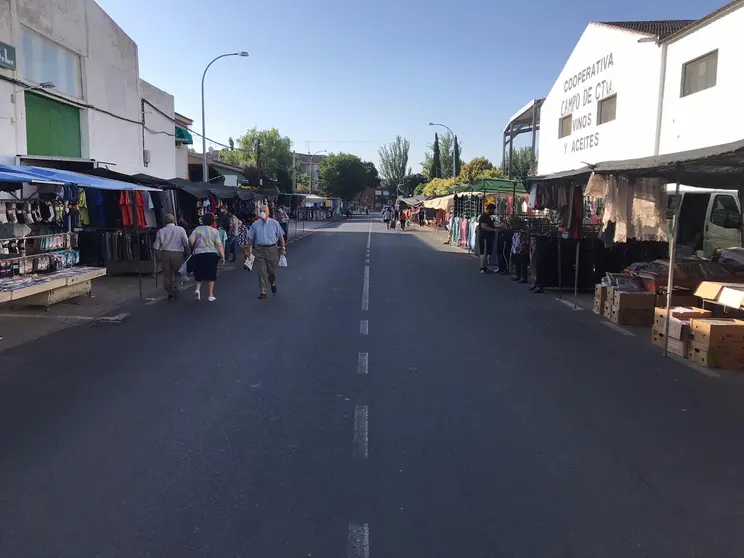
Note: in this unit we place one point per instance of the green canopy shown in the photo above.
(492, 186)
(184, 136)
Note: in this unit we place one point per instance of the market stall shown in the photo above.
(638, 188)
(39, 249)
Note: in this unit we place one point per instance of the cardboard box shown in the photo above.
(709, 290)
(600, 295)
(678, 329)
(677, 300)
(677, 347)
(634, 301)
(727, 358)
(643, 317)
(717, 332)
(679, 315)
(608, 309)
(733, 297)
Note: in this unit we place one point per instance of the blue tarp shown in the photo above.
(43, 174)
(18, 176)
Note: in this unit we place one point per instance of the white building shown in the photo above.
(93, 108)
(635, 89)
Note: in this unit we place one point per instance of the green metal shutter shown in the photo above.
(52, 128)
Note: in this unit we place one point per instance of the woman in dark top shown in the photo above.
(487, 236)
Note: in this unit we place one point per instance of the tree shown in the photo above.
(373, 179)
(394, 161)
(410, 184)
(458, 155)
(438, 187)
(471, 170)
(343, 175)
(523, 163)
(446, 147)
(436, 160)
(231, 142)
(266, 149)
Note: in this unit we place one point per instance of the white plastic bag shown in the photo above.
(282, 261)
(248, 265)
(183, 269)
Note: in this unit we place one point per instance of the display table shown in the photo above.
(46, 290)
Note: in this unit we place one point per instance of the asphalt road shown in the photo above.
(427, 411)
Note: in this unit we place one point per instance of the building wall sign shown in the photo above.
(604, 102)
(7, 57)
(583, 90)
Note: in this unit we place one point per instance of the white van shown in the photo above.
(708, 219)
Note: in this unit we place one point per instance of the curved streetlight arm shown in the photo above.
(454, 158)
(205, 170)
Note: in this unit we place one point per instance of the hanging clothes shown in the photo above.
(125, 204)
(139, 205)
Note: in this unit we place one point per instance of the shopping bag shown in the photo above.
(248, 265)
(282, 261)
(183, 270)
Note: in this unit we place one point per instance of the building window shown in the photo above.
(42, 60)
(700, 74)
(607, 110)
(564, 126)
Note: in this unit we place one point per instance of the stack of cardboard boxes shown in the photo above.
(679, 328)
(717, 343)
(623, 307)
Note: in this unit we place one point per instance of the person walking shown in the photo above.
(386, 216)
(266, 237)
(208, 251)
(172, 246)
(403, 217)
(283, 218)
(231, 251)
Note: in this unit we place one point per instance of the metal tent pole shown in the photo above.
(672, 254)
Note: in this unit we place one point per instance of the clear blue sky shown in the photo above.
(362, 72)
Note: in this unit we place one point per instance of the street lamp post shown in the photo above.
(454, 147)
(205, 171)
(311, 167)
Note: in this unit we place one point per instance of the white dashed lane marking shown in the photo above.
(364, 327)
(358, 545)
(365, 290)
(361, 432)
(363, 364)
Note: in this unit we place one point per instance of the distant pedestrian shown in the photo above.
(173, 248)
(283, 218)
(231, 251)
(387, 216)
(266, 237)
(208, 252)
(402, 217)
(487, 236)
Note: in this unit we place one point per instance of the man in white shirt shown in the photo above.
(172, 246)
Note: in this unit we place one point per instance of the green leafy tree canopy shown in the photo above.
(411, 183)
(394, 161)
(265, 149)
(523, 163)
(343, 175)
